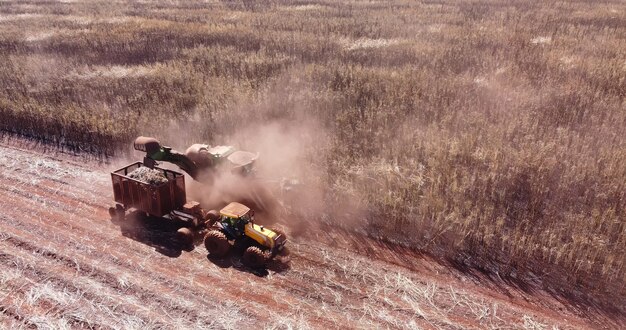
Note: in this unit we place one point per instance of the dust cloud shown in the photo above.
(290, 182)
(286, 186)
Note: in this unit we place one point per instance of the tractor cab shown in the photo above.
(234, 217)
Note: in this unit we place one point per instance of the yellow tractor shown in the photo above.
(234, 226)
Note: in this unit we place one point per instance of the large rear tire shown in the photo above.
(216, 243)
(184, 237)
(254, 257)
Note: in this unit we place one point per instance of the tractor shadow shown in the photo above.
(158, 233)
(234, 260)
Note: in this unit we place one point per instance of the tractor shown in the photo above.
(234, 227)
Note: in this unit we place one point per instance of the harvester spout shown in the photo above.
(149, 145)
(156, 152)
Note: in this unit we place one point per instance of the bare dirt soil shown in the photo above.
(64, 264)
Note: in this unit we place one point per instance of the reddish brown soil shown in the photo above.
(64, 263)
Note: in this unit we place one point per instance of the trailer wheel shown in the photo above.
(216, 243)
(254, 257)
(112, 213)
(117, 213)
(184, 237)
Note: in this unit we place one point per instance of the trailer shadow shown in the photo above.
(159, 234)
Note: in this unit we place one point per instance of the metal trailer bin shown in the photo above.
(157, 200)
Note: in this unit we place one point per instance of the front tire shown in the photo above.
(254, 257)
(284, 252)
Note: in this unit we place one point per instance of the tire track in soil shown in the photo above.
(87, 231)
(17, 286)
(45, 307)
(262, 302)
(90, 283)
(76, 228)
(8, 312)
(311, 279)
(161, 291)
(60, 202)
(197, 281)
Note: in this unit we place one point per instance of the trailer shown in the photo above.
(165, 202)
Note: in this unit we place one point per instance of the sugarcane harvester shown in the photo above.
(204, 163)
(197, 158)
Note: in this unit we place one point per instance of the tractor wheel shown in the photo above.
(284, 252)
(254, 257)
(184, 237)
(210, 218)
(216, 243)
(279, 232)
